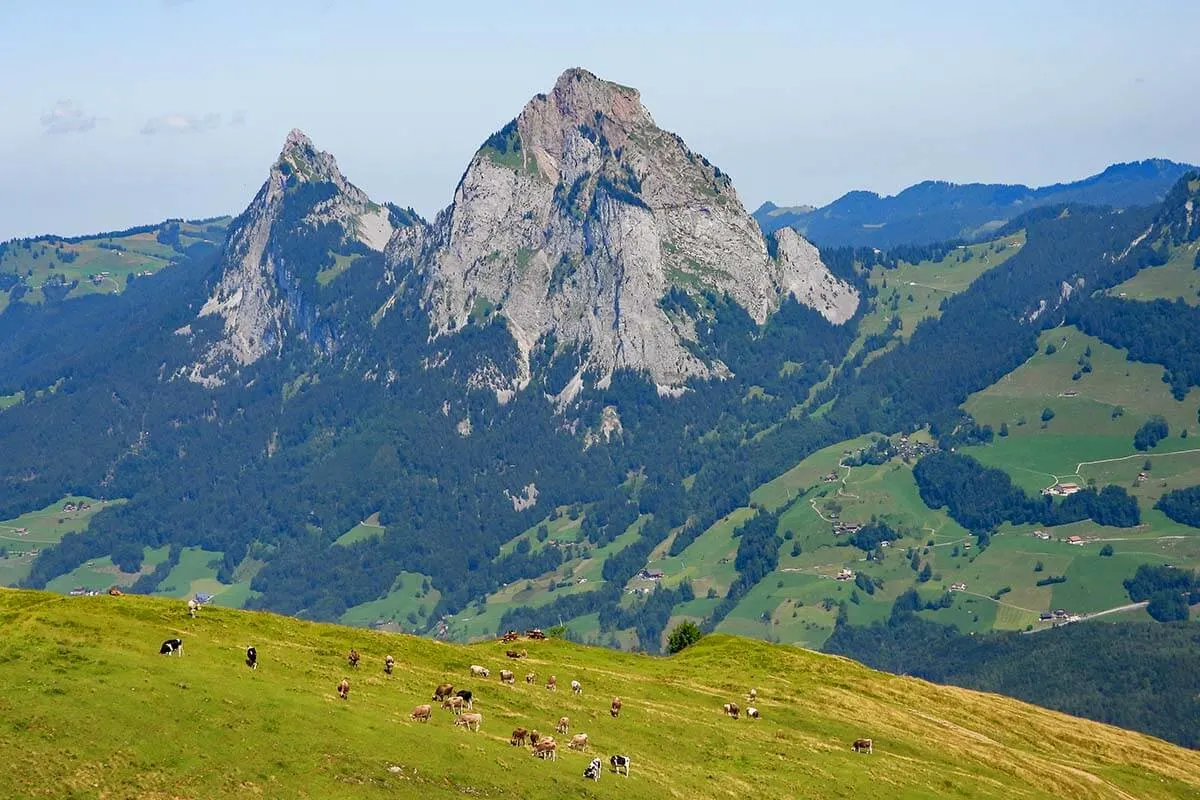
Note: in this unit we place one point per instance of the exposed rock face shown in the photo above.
(575, 220)
(579, 216)
(255, 297)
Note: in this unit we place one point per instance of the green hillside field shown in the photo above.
(89, 709)
(101, 264)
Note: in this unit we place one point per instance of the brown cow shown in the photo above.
(616, 707)
(516, 653)
(534, 738)
(511, 636)
(546, 748)
(507, 676)
(518, 737)
(731, 709)
(552, 683)
(353, 657)
(389, 664)
(421, 713)
(471, 721)
(578, 742)
(563, 724)
(443, 691)
(530, 677)
(453, 703)
(863, 745)
(344, 689)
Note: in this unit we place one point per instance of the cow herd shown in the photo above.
(545, 747)
(461, 703)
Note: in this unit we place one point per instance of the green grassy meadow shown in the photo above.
(89, 709)
(101, 264)
(391, 612)
(1097, 422)
(1178, 278)
(369, 528)
(42, 528)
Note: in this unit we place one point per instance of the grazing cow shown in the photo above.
(507, 676)
(510, 636)
(594, 769)
(552, 683)
(251, 658)
(578, 742)
(752, 712)
(615, 710)
(353, 657)
(546, 748)
(530, 677)
(516, 653)
(421, 713)
(469, 721)
(389, 664)
(534, 738)
(753, 695)
(171, 647)
(731, 709)
(479, 672)
(192, 606)
(863, 745)
(443, 691)
(576, 687)
(563, 724)
(518, 737)
(535, 633)
(344, 689)
(454, 703)
(620, 763)
(466, 696)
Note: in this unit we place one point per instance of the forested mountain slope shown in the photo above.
(293, 423)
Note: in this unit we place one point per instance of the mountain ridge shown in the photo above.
(934, 210)
(257, 297)
(571, 223)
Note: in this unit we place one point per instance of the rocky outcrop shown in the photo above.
(580, 222)
(579, 216)
(255, 298)
(800, 273)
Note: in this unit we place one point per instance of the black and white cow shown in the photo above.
(594, 769)
(465, 694)
(251, 658)
(620, 763)
(170, 647)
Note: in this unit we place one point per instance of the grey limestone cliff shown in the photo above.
(577, 218)
(255, 298)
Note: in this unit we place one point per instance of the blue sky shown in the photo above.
(124, 113)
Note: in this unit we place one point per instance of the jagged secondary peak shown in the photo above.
(260, 293)
(579, 216)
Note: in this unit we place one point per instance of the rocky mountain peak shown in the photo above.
(260, 293)
(576, 218)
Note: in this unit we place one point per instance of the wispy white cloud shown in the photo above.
(67, 117)
(181, 123)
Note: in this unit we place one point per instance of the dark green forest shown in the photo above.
(1182, 505)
